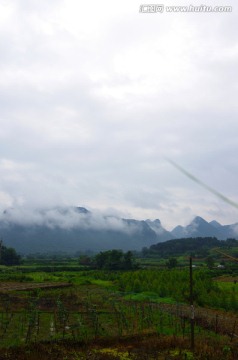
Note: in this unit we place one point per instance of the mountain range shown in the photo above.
(72, 229)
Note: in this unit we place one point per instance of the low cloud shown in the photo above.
(66, 218)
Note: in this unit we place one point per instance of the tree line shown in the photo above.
(198, 246)
(110, 260)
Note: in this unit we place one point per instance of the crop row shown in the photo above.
(26, 326)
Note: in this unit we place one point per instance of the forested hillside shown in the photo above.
(197, 246)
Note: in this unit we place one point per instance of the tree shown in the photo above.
(172, 263)
(137, 285)
(128, 260)
(114, 260)
(84, 260)
(210, 262)
(9, 256)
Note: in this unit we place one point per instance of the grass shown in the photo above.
(61, 276)
(228, 284)
(149, 297)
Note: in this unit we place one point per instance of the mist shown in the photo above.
(67, 218)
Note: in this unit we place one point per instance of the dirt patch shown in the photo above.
(16, 286)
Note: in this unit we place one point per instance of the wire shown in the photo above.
(205, 186)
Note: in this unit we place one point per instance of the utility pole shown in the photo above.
(191, 301)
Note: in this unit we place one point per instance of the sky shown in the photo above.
(95, 96)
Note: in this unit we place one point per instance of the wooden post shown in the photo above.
(191, 301)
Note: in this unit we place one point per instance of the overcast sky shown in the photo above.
(94, 95)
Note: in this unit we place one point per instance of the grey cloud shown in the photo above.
(94, 112)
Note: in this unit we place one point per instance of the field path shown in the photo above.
(16, 286)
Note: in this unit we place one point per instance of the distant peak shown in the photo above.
(178, 227)
(156, 221)
(81, 210)
(215, 223)
(198, 219)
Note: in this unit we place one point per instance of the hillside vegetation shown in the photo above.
(199, 246)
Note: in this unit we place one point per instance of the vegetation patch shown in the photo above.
(150, 297)
(117, 310)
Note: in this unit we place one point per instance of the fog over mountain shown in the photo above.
(72, 229)
(97, 96)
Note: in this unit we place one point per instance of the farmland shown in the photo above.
(69, 311)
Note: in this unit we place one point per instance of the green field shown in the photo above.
(111, 314)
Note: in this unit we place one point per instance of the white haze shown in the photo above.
(66, 218)
(93, 97)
